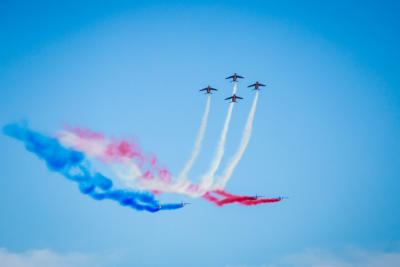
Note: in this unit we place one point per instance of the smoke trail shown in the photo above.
(260, 201)
(197, 144)
(135, 173)
(242, 147)
(121, 154)
(242, 200)
(207, 179)
(108, 150)
(157, 182)
(227, 200)
(114, 151)
(71, 164)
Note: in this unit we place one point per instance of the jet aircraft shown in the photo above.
(257, 196)
(256, 85)
(183, 204)
(208, 89)
(234, 77)
(234, 97)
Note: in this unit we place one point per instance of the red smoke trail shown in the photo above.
(84, 133)
(242, 200)
(211, 198)
(115, 149)
(260, 201)
(223, 193)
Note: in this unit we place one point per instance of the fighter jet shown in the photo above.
(208, 89)
(257, 196)
(234, 97)
(234, 77)
(256, 85)
(184, 204)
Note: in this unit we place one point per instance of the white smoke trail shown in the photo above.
(197, 145)
(242, 147)
(208, 178)
(94, 148)
(182, 185)
(128, 171)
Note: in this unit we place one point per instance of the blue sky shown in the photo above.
(325, 131)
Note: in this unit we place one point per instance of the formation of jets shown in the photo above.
(234, 97)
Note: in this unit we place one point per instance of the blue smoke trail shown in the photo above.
(70, 164)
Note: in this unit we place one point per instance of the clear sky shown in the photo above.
(325, 132)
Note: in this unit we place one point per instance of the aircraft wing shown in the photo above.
(229, 77)
(214, 89)
(229, 98)
(203, 89)
(252, 85)
(260, 84)
(239, 97)
(239, 76)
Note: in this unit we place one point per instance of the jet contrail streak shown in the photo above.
(208, 178)
(242, 147)
(197, 144)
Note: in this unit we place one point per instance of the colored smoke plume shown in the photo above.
(228, 198)
(71, 164)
